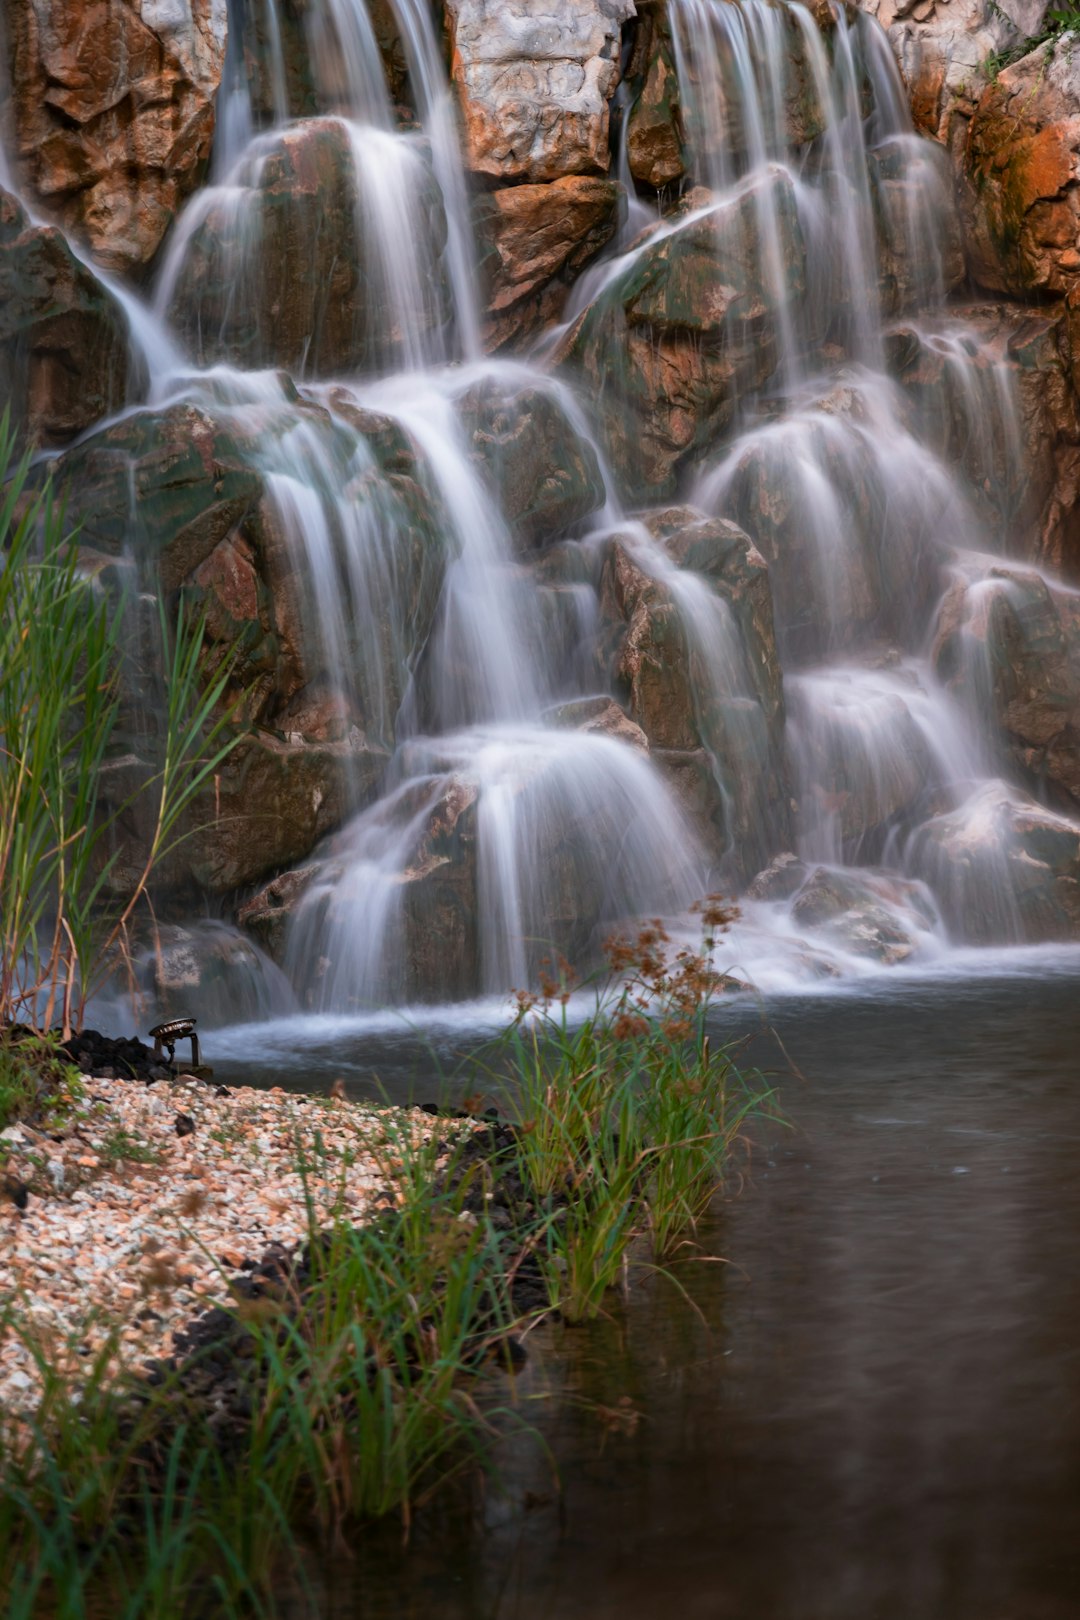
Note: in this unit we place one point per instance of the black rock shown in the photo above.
(185, 1125)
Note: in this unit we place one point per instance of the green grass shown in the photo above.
(37, 1083)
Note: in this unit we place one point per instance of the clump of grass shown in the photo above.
(627, 1119)
(37, 1082)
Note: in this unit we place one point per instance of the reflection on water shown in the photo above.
(877, 1412)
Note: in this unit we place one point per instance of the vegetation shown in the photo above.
(1058, 22)
(62, 656)
(354, 1381)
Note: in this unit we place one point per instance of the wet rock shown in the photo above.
(912, 181)
(268, 913)
(541, 469)
(687, 326)
(534, 85)
(1008, 645)
(603, 716)
(534, 240)
(113, 113)
(779, 880)
(269, 805)
(63, 338)
(211, 972)
(1023, 159)
(654, 125)
(281, 271)
(1004, 868)
(701, 677)
(1027, 487)
(868, 913)
(860, 760)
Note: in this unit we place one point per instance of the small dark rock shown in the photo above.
(17, 1191)
(185, 1125)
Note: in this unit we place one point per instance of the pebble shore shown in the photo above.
(143, 1203)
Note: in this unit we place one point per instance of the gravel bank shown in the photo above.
(147, 1199)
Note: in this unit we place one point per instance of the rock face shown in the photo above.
(1008, 644)
(534, 241)
(694, 654)
(63, 337)
(534, 84)
(1028, 491)
(541, 470)
(945, 50)
(280, 271)
(188, 493)
(1004, 868)
(691, 323)
(113, 113)
(1023, 158)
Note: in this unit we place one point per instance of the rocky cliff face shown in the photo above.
(113, 113)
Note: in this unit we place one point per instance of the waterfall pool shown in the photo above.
(872, 1408)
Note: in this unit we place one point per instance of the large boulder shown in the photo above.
(64, 357)
(692, 651)
(280, 267)
(870, 914)
(534, 85)
(1003, 868)
(1023, 159)
(1008, 645)
(534, 240)
(847, 509)
(693, 321)
(542, 471)
(919, 244)
(318, 583)
(113, 113)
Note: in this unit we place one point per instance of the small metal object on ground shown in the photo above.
(165, 1037)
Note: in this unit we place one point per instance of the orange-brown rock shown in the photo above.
(654, 135)
(534, 84)
(63, 337)
(113, 113)
(534, 240)
(1023, 159)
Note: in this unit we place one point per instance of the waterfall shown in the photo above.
(561, 701)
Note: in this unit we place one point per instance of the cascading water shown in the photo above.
(461, 627)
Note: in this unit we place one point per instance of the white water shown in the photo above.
(493, 822)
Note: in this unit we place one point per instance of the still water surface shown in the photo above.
(876, 1414)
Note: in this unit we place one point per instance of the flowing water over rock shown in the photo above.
(713, 589)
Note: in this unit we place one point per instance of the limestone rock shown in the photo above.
(602, 716)
(534, 84)
(687, 326)
(542, 471)
(1023, 157)
(113, 113)
(534, 241)
(63, 338)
